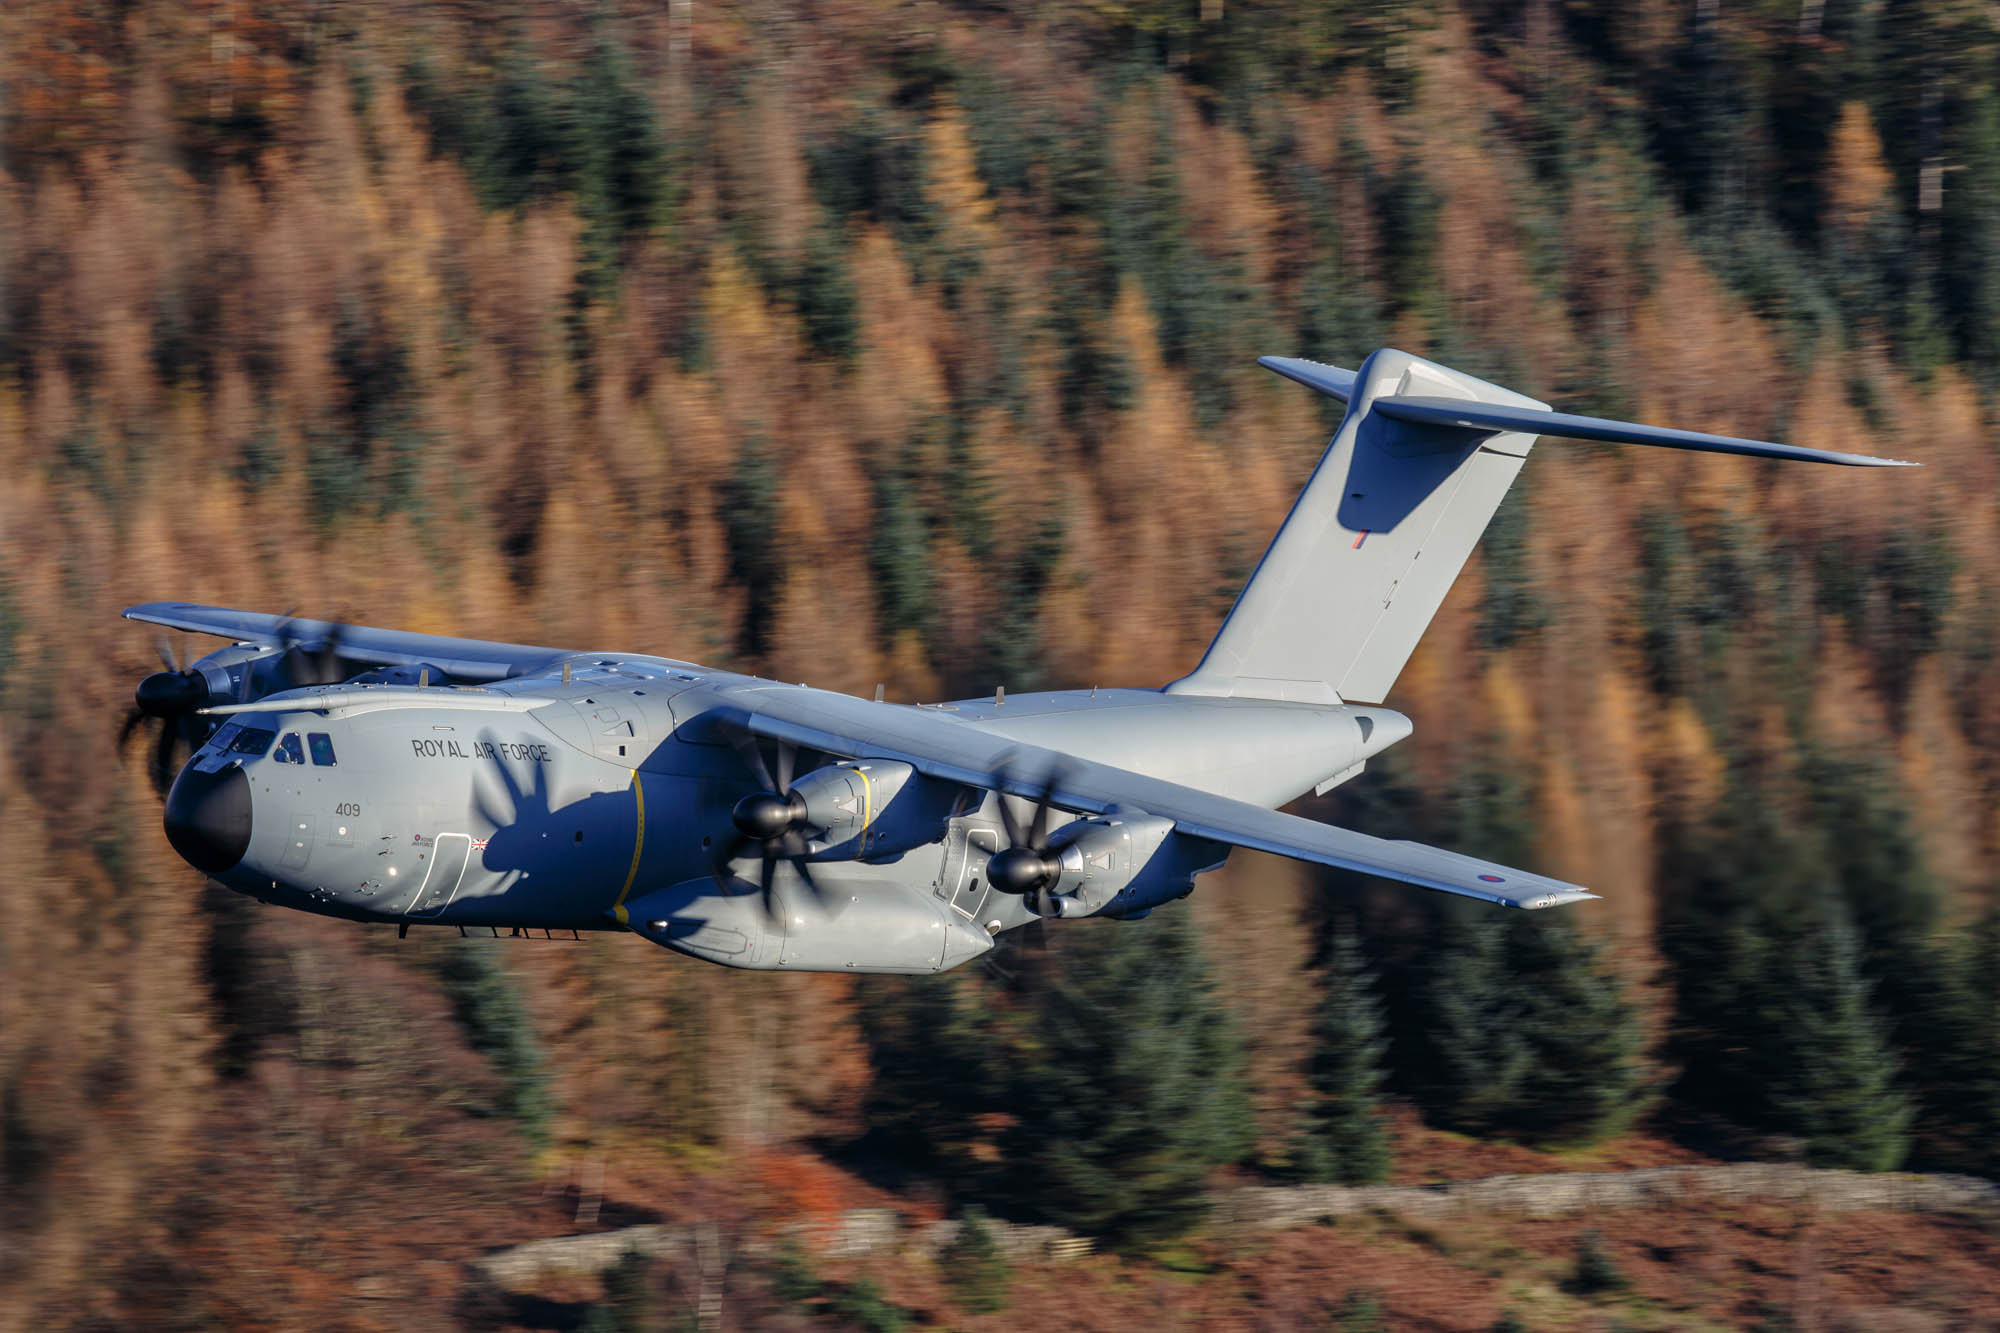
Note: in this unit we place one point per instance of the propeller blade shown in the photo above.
(1008, 821)
(166, 652)
(163, 768)
(798, 864)
(132, 721)
(787, 756)
(769, 879)
(326, 664)
(1038, 827)
(718, 868)
(745, 745)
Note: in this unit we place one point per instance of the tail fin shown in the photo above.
(1411, 478)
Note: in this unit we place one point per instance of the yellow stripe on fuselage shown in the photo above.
(638, 846)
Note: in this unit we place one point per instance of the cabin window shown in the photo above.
(289, 749)
(321, 746)
(254, 741)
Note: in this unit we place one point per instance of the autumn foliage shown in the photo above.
(914, 344)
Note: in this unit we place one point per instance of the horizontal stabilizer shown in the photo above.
(1490, 418)
(1329, 380)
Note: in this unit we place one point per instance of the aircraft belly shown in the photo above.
(865, 919)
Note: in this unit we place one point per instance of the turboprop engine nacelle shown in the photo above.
(871, 809)
(1119, 864)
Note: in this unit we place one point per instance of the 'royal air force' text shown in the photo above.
(530, 753)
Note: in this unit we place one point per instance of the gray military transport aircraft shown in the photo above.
(395, 777)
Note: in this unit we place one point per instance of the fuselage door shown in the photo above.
(962, 876)
(448, 854)
(981, 844)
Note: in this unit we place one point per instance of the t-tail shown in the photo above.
(1413, 475)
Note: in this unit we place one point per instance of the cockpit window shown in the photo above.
(289, 750)
(321, 746)
(224, 734)
(252, 741)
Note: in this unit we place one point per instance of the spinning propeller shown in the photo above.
(173, 697)
(1026, 865)
(773, 819)
(305, 662)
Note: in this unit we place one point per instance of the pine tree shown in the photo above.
(1961, 1122)
(1515, 1025)
(1839, 1089)
(973, 1266)
(1346, 1139)
(1467, 1057)
(630, 1304)
(1459, 1052)
(1584, 1074)
(1889, 892)
(1125, 1086)
(934, 1071)
(489, 1006)
(1732, 895)
(747, 505)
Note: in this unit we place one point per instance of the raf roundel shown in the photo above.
(1494, 879)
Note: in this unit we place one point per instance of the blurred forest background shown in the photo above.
(914, 342)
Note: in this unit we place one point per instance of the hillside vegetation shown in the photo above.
(914, 343)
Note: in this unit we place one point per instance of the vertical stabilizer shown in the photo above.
(1371, 546)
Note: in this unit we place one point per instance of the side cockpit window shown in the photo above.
(224, 737)
(252, 742)
(321, 746)
(289, 750)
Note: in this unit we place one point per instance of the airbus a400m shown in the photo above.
(396, 777)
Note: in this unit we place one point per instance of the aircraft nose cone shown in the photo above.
(208, 818)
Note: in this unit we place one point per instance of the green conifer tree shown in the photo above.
(1733, 892)
(1125, 1084)
(489, 1006)
(1517, 1026)
(1839, 1090)
(973, 1266)
(1961, 1123)
(934, 1071)
(1890, 895)
(1346, 1139)
(1467, 1056)
(1584, 1077)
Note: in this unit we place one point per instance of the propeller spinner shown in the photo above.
(172, 697)
(1027, 865)
(773, 820)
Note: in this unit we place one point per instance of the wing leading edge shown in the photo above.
(943, 747)
(463, 659)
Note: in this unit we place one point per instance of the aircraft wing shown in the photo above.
(462, 659)
(941, 746)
